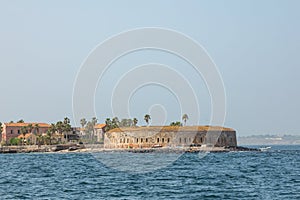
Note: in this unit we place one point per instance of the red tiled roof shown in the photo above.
(99, 126)
(41, 125)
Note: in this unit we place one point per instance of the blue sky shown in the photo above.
(255, 45)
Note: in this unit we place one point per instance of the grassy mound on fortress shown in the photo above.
(171, 129)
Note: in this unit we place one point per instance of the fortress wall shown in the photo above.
(148, 139)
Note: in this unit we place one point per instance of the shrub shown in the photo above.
(15, 141)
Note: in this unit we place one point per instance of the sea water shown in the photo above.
(274, 174)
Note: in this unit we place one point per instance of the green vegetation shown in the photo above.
(147, 119)
(83, 122)
(94, 121)
(23, 131)
(30, 128)
(88, 127)
(176, 124)
(115, 123)
(36, 129)
(60, 132)
(185, 117)
(1, 128)
(66, 127)
(15, 141)
(50, 133)
(126, 123)
(49, 136)
(135, 121)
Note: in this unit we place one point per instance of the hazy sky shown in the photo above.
(255, 45)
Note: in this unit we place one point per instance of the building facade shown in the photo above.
(97, 135)
(168, 136)
(13, 130)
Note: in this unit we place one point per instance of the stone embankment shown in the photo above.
(64, 148)
(41, 149)
(192, 149)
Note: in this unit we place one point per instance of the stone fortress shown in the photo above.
(170, 136)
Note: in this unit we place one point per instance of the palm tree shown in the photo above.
(83, 122)
(49, 136)
(185, 117)
(36, 131)
(147, 118)
(23, 132)
(59, 128)
(37, 128)
(115, 122)
(1, 128)
(66, 120)
(135, 121)
(108, 123)
(52, 130)
(29, 128)
(66, 128)
(39, 138)
(94, 121)
(90, 128)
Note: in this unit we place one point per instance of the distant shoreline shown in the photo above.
(269, 140)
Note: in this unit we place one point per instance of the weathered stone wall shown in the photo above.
(147, 139)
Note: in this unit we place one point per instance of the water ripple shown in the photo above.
(239, 175)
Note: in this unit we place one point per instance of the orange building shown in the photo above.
(12, 130)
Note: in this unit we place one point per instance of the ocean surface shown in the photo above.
(274, 174)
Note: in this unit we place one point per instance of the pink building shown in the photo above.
(11, 130)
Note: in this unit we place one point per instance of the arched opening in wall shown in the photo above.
(184, 140)
(179, 140)
(157, 140)
(127, 140)
(120, 140)
(124, 140)
(201, 140)
(137, 140)
(146, 139)
(163, 140)
(168, 140)
(141, 140)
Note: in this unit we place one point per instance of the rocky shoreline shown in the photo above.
(41, 149)
(64, 148)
